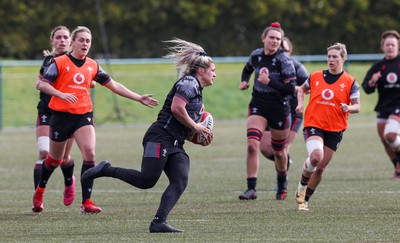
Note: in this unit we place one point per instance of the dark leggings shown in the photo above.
(176, 167)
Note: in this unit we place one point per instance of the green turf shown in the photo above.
(357, 200)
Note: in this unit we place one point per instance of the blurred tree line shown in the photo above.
(136, 28)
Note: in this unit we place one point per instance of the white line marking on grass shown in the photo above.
(95, 191)
(330, 192)
(169, 220)
(186, 192)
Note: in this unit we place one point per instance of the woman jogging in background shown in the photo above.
(269, 106)
(297, 119)
(68, 80)
(333, 95)
(60, 39)
(384, 76)
(164, 140)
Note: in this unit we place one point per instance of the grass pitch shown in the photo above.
(357, 200)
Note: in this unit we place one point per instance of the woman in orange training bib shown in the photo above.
(333, 95)
(68, 80)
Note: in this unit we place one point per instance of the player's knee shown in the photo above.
(43, 143)
(393, 140)
(252, 147)
(315, 149)
(67, 162)
(309, 166)
(316, 157)
(278, 146)
(66, 159)
(253, 140)
(279, 154)
(89, 153)
(391, 132)
(52, 163)
(254, 134)
(390, 138)
(43, 154)
(148, 183)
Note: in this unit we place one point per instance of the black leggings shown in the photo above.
(176, 166)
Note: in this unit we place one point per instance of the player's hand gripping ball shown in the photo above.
(207, 121)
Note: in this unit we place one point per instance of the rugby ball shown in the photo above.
(207, 121)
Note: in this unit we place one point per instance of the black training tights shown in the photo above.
(176, 166)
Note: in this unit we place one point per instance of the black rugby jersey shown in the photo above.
(388, 85)
(189, 89)
(43, 105)
(279, 65)
(301, 77)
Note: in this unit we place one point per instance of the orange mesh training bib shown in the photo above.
(73, 79)
(323, 110)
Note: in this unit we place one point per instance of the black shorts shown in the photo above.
(331, 139)
(276, 111)
(43, 118)
(63, 125)
(385, 115)
(157, 133)
(44, 112)
(162, 153)
(297, 121)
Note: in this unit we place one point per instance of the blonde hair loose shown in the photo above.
(189, 56)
